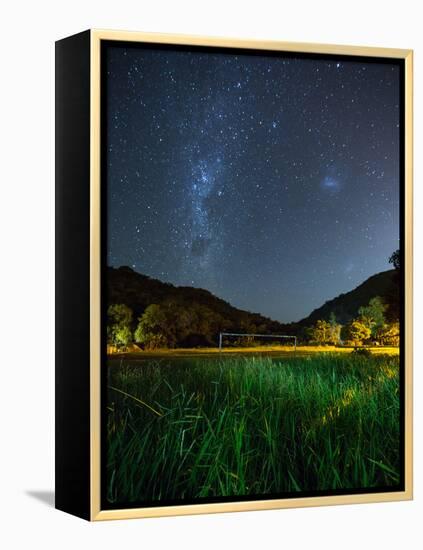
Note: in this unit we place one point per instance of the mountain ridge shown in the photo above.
(345, 306)
(138, 291)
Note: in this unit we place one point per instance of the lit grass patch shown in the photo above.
(237, 426)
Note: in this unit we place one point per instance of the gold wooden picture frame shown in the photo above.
(81, 315)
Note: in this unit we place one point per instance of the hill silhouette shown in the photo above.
(346, 306)
(138, 291)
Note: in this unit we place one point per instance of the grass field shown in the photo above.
(233, 425)
(266, 350)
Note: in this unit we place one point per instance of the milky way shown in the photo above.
(272, 181)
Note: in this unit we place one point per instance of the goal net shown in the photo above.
(238, 339)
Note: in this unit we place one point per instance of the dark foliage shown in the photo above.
(126, 286)
(137, 291)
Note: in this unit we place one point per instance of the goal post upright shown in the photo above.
(283, 336)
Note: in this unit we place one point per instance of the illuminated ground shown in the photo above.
(257, 350)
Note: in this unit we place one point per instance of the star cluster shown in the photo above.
(272, 181)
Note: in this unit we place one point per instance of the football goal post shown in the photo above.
(244, 335)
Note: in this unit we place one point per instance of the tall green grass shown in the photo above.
(248, 426)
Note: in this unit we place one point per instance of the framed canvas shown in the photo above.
(233, 275)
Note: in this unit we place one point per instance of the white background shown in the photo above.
(27, 37)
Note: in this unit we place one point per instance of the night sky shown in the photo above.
(273, 182)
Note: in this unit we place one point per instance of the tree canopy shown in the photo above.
(119, 321)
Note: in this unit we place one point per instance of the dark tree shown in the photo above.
(395, 259)
(393, 296)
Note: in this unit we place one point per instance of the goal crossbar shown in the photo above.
(222, 334)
